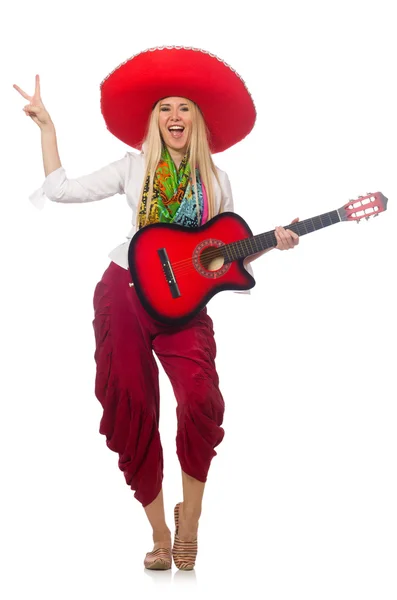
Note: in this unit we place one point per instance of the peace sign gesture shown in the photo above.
(35, 109)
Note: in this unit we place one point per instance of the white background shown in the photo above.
(301, 499)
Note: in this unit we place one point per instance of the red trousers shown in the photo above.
(127, 385)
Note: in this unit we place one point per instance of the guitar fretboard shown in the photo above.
(264, 241)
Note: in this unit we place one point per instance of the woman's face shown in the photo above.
(175, 122)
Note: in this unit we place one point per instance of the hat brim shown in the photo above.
(129, 93)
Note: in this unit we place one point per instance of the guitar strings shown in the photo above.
(189, 266)
(268, 236)
(186, 265)
(214, 253)
(217, 251)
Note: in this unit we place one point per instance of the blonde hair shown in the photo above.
(199, 156)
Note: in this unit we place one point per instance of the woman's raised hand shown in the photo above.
(36, 109)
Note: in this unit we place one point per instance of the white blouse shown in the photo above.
(124, 176)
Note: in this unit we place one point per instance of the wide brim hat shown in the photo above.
(129, 93)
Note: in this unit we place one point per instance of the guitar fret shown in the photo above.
(311, 227)
(248, 245)
(317, 222)
(252, 244)
(327, 216)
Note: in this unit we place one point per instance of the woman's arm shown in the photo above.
(49, 149)
(57, 187)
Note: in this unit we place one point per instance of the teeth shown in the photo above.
(176, 128)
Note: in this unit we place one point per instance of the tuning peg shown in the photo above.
(358, 220)
(367, 218)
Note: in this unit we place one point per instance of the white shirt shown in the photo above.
(124, 176)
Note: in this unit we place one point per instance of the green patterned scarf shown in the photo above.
(174, 198)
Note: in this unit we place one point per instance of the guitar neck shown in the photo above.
(265, 241)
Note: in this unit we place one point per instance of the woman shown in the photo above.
(178, 106)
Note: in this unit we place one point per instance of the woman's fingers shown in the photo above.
(280, 237)
(37, 88)
(24, 94)
(36, 95)
(294, 238)
(286, 238)
(29, 108)
(35, 109)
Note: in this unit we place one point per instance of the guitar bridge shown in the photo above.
(169, 273)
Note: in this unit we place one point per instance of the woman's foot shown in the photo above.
(160, 558)
(185, 546)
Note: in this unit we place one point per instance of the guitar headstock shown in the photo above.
(363, 208)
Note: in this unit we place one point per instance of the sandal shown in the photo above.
(183, 553)
(159, 559)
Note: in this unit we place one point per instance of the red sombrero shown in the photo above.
(129, 93)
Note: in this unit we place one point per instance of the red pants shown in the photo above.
(128, 389)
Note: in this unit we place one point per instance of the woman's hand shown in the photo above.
(286, 238)
(36, 109)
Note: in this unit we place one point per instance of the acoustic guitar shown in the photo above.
(176, 270)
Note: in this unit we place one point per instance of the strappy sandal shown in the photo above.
(183, 553)
(159, 559)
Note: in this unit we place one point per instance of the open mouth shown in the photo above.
(176, 131)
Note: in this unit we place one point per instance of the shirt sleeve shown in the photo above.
(100, 184)
(228, 206)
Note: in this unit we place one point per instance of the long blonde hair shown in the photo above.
(199, 155)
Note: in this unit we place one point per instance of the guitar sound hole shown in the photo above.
(211, 259)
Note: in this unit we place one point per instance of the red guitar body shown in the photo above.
(177, 270)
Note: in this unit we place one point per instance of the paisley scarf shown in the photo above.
(174, 198)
